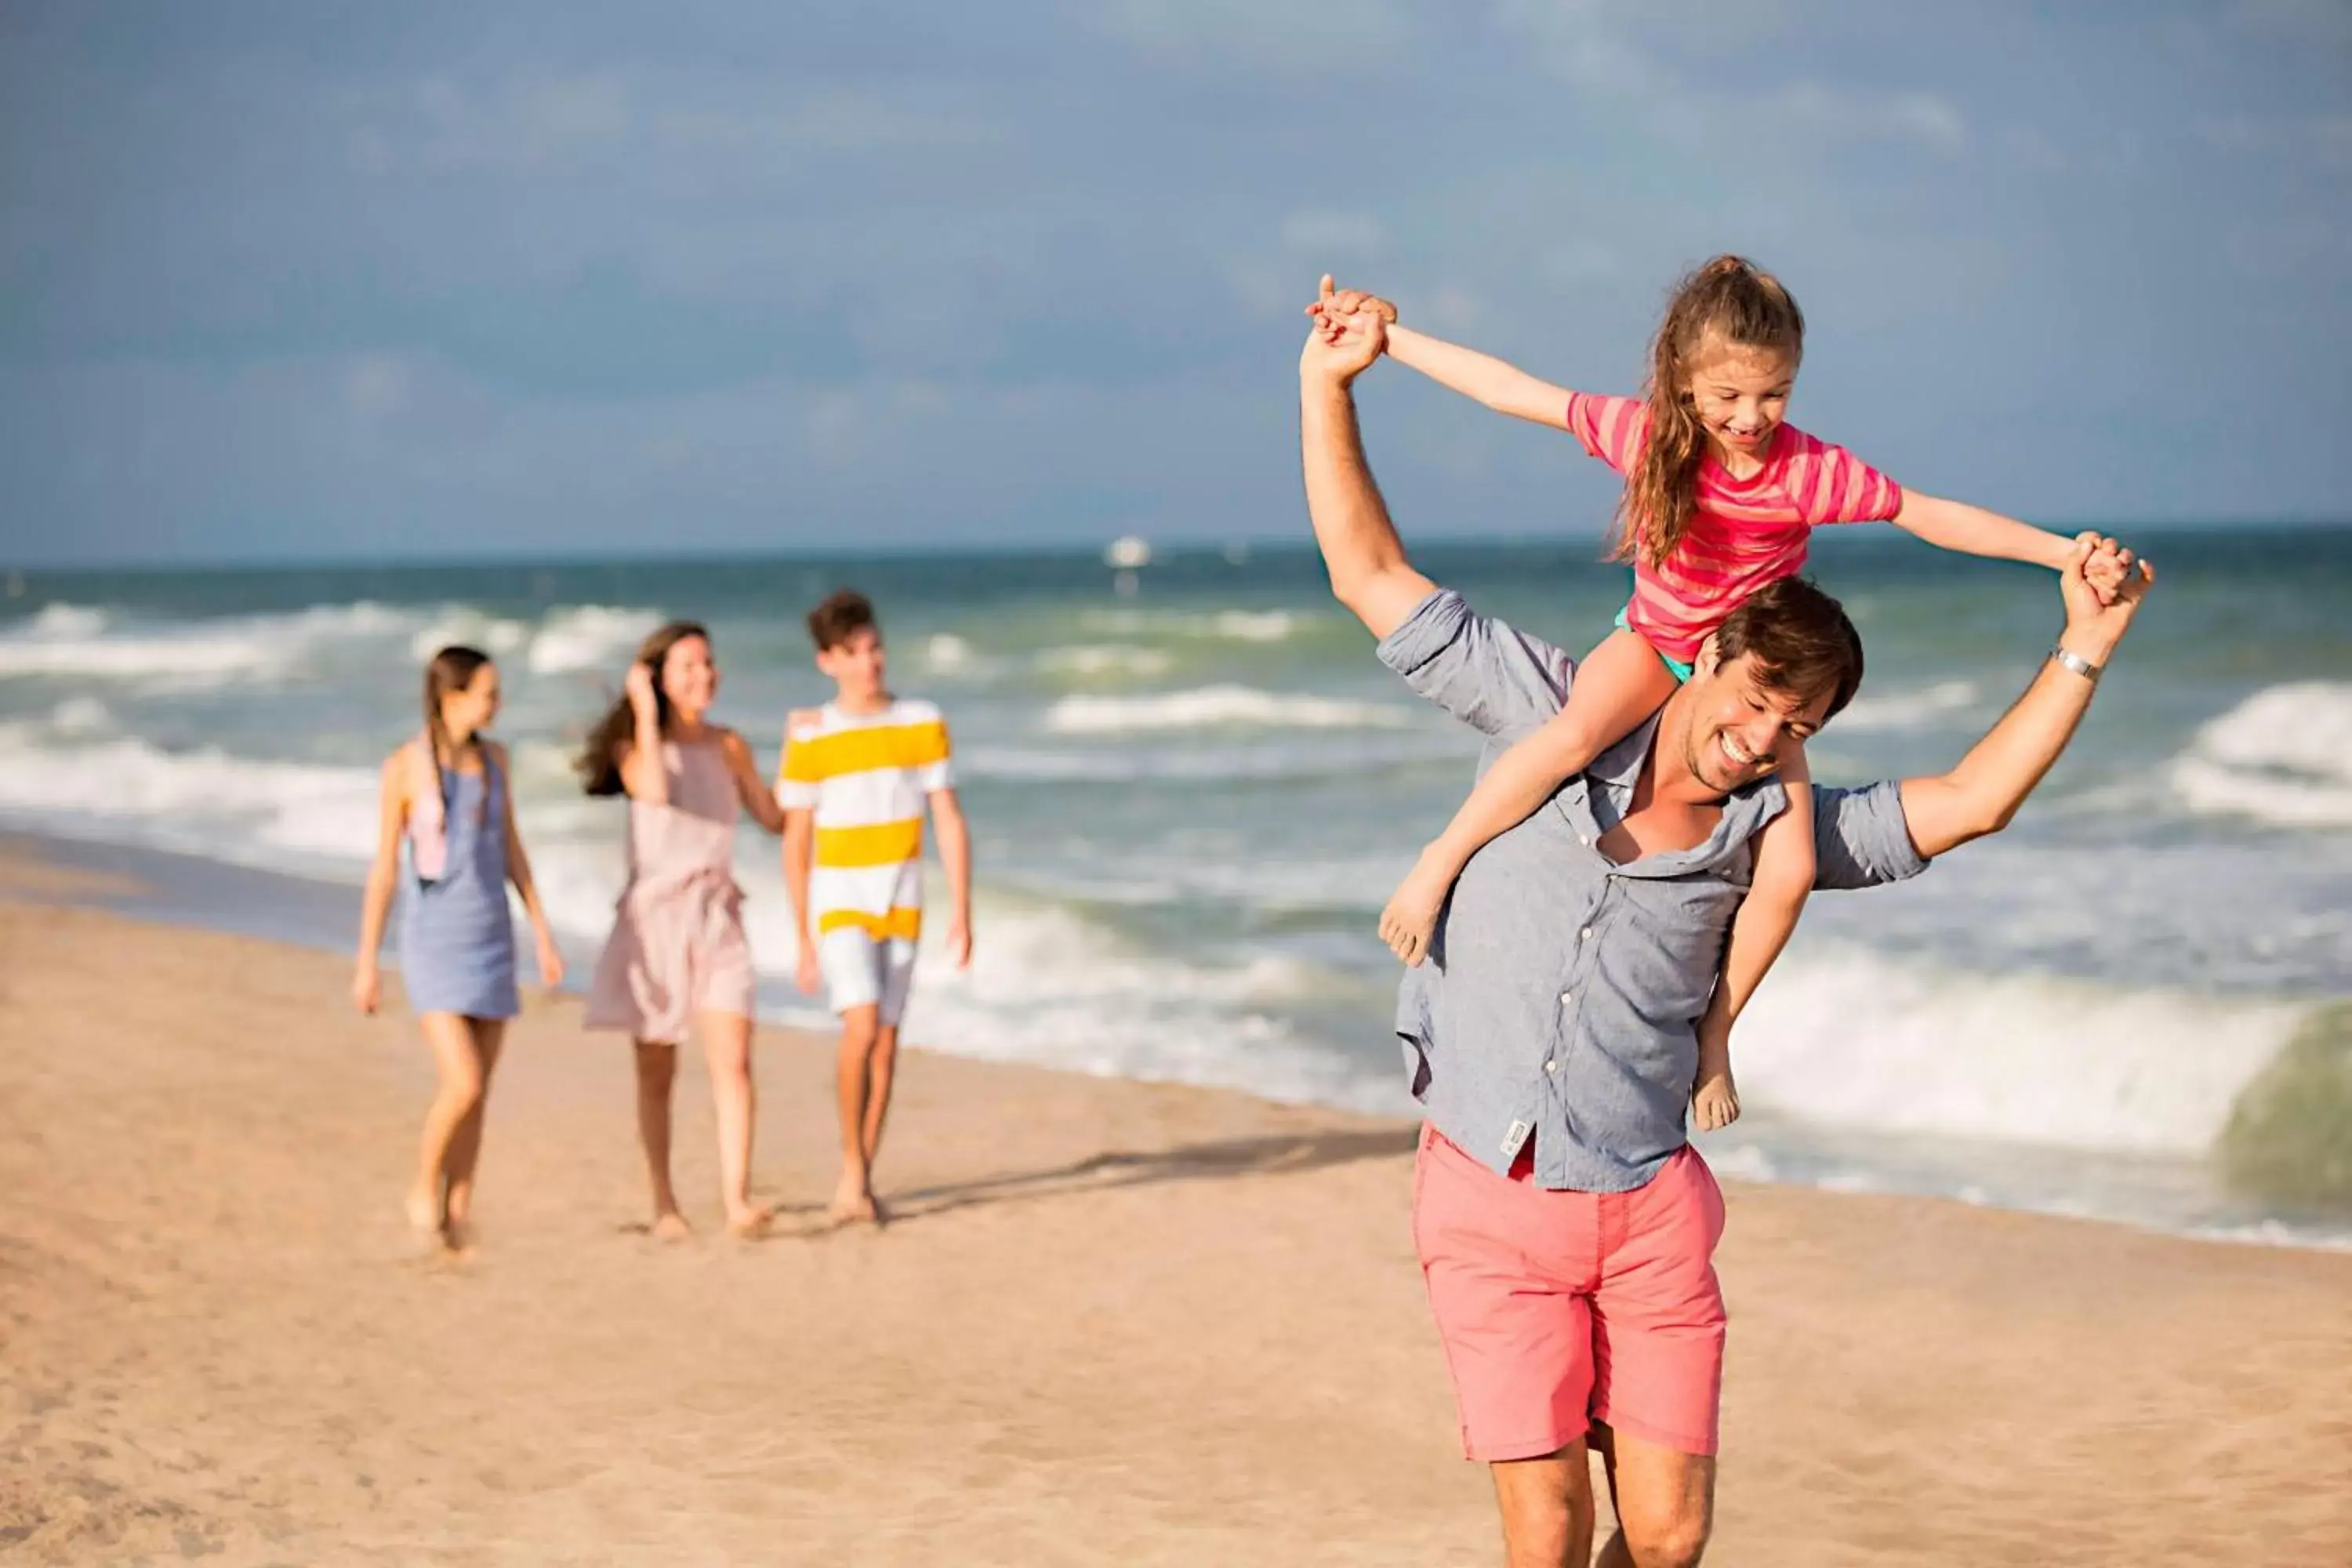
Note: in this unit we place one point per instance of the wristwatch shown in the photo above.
(2077, 663)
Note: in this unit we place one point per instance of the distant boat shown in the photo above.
(1127, 553)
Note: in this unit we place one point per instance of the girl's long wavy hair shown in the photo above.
(599, 764)
(453, 669)
(1737, 303)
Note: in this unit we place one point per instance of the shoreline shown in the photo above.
(1115, 1320)
(2168, 1196)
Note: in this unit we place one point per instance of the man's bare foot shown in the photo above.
(1411, 918)
(750, 1224)
(1715, 1104)
(670, 1225)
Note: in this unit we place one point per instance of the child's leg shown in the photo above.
(861, 1032)
(1714, 1099)
(1782, 880)
(1622, 683)
(881, 1070)
(727, 1051)
(656, 1074)
(455, 1098)
(465, 1144)
(898, 970)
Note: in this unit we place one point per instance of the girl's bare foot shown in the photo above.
(1411, 918)
(748, 1225)
(1715, 1104)
(424, 1214)
(671, 1227)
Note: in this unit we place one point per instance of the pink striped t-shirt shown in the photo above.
(1745, 532)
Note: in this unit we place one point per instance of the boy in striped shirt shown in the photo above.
(857, 774)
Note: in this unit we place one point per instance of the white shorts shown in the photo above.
(860, 972)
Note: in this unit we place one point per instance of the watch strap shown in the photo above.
(2077, 663)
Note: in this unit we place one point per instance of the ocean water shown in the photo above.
(1192, 789)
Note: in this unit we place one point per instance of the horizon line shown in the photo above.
(13, 574)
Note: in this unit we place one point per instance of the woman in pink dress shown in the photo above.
(676, 962)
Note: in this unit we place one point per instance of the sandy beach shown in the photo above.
(1115, 1322)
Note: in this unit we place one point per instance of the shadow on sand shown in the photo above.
(1281, 1153)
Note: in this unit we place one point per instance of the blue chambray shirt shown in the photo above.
(1561, 997)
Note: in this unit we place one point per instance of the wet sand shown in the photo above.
(1115, 1323)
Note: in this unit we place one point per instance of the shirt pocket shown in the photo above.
(1680, 927)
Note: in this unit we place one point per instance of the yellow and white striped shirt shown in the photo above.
(867, 778)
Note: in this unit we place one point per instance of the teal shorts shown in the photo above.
(1681, 672)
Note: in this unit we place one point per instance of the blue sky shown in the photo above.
(542, 278)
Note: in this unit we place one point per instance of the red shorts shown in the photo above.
(1560, 1308)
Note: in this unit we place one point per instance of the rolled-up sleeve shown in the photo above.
(1498, 681)
(1860, 837)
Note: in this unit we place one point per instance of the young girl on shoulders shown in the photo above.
(1721, 496)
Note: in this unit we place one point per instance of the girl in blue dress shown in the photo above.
(446, 796)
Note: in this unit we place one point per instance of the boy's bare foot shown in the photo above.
(750, 1224)
(1411, 920)
(853, 1204)
(1715, 1104)
(670, 1225)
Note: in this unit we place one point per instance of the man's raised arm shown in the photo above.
(1369, 573)
(1992, 782)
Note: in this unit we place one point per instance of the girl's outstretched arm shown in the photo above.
(1499, 384)
(384, 877)
(1973, 530)
(551, 957)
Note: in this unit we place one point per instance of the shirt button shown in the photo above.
(1584, 935)
(1551, 1066)
(1566, 997)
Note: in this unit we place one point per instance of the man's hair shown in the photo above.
(844, 612)
(1801, 641)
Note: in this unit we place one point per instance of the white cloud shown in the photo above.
(1852, 115)
(1633, 55)
(1312, 39)
(530, 123)
(835, 122)
(377, 385)
(2323, 139)
(2032, 146)
(1453, 309)
(518, 122)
